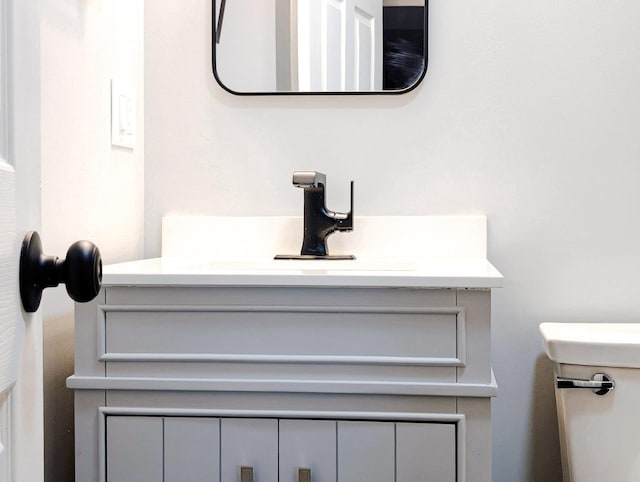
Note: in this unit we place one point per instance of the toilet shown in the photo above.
(597, 380)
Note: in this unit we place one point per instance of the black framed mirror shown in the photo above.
(266, 47)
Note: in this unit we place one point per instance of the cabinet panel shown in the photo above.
(284, 331)
(274, 296)
(249, 443)
(425, 452)
(478, 336)
(191, 449)
(308, 444)
(134, 449)
(366, 451)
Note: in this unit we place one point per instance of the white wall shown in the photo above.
(90, 190)
(529, 113)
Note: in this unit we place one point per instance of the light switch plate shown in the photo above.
(123, 114)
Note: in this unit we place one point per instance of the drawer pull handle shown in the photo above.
(304, 475)
(246, 474)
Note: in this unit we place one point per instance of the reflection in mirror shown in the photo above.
(4, 116)
(319, 46)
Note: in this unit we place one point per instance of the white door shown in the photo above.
(339, 45)
(21, 451)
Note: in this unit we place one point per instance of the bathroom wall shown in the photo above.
(90, 190)
(529, 113)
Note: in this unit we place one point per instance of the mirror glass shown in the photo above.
(4, 118)
(319, 46)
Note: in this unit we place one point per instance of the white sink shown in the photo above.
(296, 265)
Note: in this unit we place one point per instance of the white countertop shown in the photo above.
(404, 251)
(424, 273)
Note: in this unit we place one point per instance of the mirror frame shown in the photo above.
(215, 33)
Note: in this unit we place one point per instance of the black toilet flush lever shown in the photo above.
(80, 271)
(319, 222)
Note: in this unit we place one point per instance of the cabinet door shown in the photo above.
(366, 451)
(309, 445)
(250, 443)
(134, 449)
(425, 452)
(191, 449)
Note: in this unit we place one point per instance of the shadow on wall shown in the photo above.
(58, 399)
(545, 461)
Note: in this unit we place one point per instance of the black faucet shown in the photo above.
(319, 222)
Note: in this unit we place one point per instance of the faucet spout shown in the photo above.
(308, 179)
(319, 222)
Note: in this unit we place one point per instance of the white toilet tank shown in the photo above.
(599, 434)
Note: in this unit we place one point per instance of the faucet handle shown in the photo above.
(306, 179)
(345, 220)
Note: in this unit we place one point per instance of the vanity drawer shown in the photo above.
(279, 334)
(310, 347)
(365, 340)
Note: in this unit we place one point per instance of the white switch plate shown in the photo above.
(123, 114)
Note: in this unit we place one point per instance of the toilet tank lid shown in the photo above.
(593, 344)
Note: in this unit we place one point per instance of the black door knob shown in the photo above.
(81, 271)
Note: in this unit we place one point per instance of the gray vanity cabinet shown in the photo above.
(167, 449)
(308, 445)
(186, 449)
(134, 445)
(252, 444)
(209, 383)
(366, 451)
